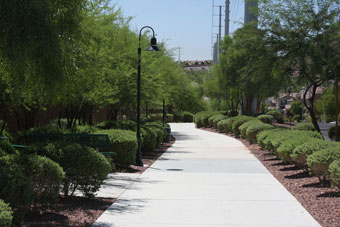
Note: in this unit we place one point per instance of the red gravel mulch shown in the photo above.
(80, 211)
(319, 199)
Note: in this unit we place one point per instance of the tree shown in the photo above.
(304, 33)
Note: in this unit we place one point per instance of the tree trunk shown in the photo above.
(310, 107)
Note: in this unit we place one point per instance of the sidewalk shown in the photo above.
(205, 179)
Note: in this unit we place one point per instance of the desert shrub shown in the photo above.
(85, 169)
(212, 118)
(244, 126)
(149, 139)
(188, 117)
(331, 132)
(221, 125)
(5, 214)
(286, 148)
(277, 116)
(228, 126)
(265, 118)
(7, 148)
(304, 126)
(319, 161)
(216, 120)
(159, 129)
(262, 136)
(124, 143)
(46, 177)
(301, 152)
(202, 118)
(239, 122)
(334, 171)
(15, 188)
(256, 128)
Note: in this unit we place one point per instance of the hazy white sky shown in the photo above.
(182, 23)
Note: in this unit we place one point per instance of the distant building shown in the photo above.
(197, 65)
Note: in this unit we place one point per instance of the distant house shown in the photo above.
(197, 65)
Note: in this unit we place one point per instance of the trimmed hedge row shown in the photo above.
(201, 119)
(304, 126)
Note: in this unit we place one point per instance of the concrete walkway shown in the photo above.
(205, 179)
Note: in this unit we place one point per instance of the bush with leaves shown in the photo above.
(27, 137)
(334, 171)
(15, 188)
(244, 126)
(5, 214)
(202, 118)
(221, 125)
(212, 118)
(277, 116)
(178, 116)
(126, 125)
(6, 148)
(216, 120)
(266, 118)
(159, 129)
(262, 136)
(124, 143)
(319, 161)
(331, 132)
(149, 139)
(304, 126)
(187, 116)
(256, 128)
(239, 122)
(85, 169)
(286, 148)
(46, 177)
(301, 152)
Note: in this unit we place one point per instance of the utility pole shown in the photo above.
(227, 17)
(337, 109)
(220, 26)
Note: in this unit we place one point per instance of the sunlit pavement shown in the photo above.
(205, 179)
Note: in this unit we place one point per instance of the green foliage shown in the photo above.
(85, 168)
(266, 118)
(326, 105)
(277, 116)
(221, 125)
(304, 126)
(296, 108)
(159, 129)
(301, 152)
(243, 128)
(85, 129)
(126, 125)
(239, 122)
(46, 177)
(124, 143)
(331, 132)
(26, 137)
(202, 118)
(286, 148)
(212, 118)
(262, 136)
(15, 188)
(187, 116)
(218, 119)
(319, 161)
(5, 214)
(6, 148)
(334, 170)
(256, 128)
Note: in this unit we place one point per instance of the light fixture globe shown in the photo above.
(153, 46)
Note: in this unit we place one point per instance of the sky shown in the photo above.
(184, 24)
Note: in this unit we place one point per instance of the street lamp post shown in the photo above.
(153, 47)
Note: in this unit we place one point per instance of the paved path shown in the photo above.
(206, 180)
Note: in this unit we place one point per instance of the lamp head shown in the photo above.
(153, 46)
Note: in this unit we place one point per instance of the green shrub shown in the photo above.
(178, 117)
(331, 132)
(228, 126)
(85, 129)
(159, 129)
(319, 161)
(125, 124)
(286, 148)
(170, 118)
(262, 136)
(212, 118)
(7, 148)
(85, 168)
(5, 132)
(46, 177)
(304, 126)
(277, 116)
(301, 152)
(202, 118)
(149, 139)
(239, 122)
(124, 143)
(26, 137)
(15, 188)
(221, 125)
(334, 171)
(256, 128)
(5, 214)
(216, 120)
(188, 117)
(266, 118)
(297, 118)
(244, 126)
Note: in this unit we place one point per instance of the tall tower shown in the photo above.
(249, 16)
